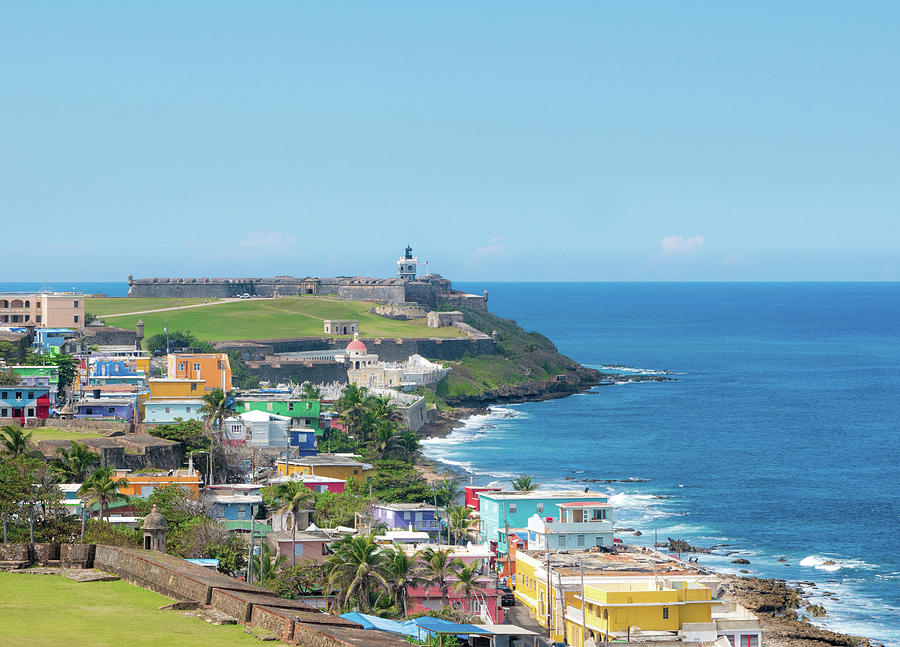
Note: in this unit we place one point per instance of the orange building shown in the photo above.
(213, 369)
(174, 388)
(141, 485)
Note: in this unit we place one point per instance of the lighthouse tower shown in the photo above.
(408, 266)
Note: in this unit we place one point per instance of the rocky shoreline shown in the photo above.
(774, 601)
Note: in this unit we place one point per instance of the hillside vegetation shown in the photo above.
(264, 318)
(523, 359)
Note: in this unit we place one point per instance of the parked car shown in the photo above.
(245, 295)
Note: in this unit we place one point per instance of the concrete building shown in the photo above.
(22, 403)
(262, 429)
(142, 484)
(341, 327)
(42, 309)
(169, 410)
(313, 482)
(232, 501)
(304, 414)
(580, 524)
(512, 510)
(213, 369)
(175, 388)
(437, 319)
(115, 408)
(332, 465)
(306, 544)
(408, 516)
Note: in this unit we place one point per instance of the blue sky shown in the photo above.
(505, 141)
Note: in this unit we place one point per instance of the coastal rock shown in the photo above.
(638, 533)
(681, 546)
(816, 610)
(740, 560)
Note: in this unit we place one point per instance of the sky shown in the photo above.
(505, 141)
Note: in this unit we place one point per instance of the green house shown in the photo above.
(304, 414)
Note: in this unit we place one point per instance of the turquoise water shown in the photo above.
(779, 437)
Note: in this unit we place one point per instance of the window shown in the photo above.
(75, 305)
(38, 318)
(4, 413)
(356, 471)
(5, 394)
(18, 395)
(31, 395)
(196, 366)
(76, 318)
(581, 540)
(89, 411)
(665, 613)
(290, 406)
(31, 412)
(168, 409)
(562, 541)
(193, 386)
(749, 640)
(111, 410)
(540, 508)
(27, 317)
(180, 366)
(187, 409)
(512, 508)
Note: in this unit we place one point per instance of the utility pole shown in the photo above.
(562, 604)
(583, 619)
(250, 557)
(287, 445)
(549, 608)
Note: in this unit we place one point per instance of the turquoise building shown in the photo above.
(512, 510)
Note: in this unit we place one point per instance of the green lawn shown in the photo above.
(49, 610)
(48, 433)
(117, 305)
(275, 318)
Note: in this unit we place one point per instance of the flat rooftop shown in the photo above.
(623, 564)
(543, 494)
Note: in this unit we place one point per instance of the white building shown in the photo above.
(257, 429)
(580, 525)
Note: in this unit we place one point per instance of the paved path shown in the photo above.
(518, 615)
(195, 305)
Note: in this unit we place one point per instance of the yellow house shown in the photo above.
(338, 467)
(641, 589)
(142, 484)
(172, 388)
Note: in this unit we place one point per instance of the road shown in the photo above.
(195, 305)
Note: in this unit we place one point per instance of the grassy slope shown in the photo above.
(47, 433)
(38, 610)
(275, 318)
(523, 356)
(117, 305)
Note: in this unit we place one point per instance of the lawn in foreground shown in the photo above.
(51, 610)
(48, 433)
(278, 318)
(117, 305)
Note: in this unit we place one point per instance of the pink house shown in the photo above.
(485, 601)
(308, 545)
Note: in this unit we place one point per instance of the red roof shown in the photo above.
(357, 345)
(584, 504)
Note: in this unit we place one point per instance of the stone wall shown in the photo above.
(389, 294)
(299, 372)
(132, 451)
(400, 313)
(438, 319)
(109, 336)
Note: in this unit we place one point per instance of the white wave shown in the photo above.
(832, 564)
(634, 370)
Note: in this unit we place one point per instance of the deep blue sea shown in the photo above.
(110, 289)
(779, 437)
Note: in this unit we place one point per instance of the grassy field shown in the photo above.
(272, 319)
(48, 433)
(117, 305)
(49, 610)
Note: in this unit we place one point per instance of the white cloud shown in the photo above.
(679, 245)
(484, 254)
(269, 240)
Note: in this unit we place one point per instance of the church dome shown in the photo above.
(357, 345)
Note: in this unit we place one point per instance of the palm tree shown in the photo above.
(384, 441)
(408, 445)
(264, 567)
(294, 498)
(461, 522)
(524, 483)
(438, 568)
(467, 582)
(447, 491)
(215, 408)
(382, 408)
(100, 488)
(15, 441)
(74, 466)
(351, 407)
(311, 391)
(355, 570)
(404, 572)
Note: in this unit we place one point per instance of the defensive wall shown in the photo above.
(132, 451)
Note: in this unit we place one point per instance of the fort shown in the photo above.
(406, 289)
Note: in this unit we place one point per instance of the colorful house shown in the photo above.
(213, 369)
(304, 414)
(470, 495)
(505, 511)
(142, 484)
(168, 411)
(115, 408)
(30, 375)
(331, 465)
(403, 516)
(305, 544)
(176, 389)
(22, 403)
(232, 501)
(579, 524)
(314, 483)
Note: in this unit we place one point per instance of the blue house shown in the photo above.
(421, 516)
(232, 501)
(168, 411)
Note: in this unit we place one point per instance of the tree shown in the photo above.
(461, 522)
(189, 432)
(15, 441)
(215, 409)
(65, 366)
(351, 408)
(384, 440)
(102, 489)
(178, 339)
(438, 568)
(306, 578)
(355, 570)
(337, 509)
(467, 582)
(404, 572)
(524, 483)
(311, 391)
(9, 377)
(265, 567)
(407, 445)
(382, 408)
(294, 498)
(9, 352)
(447, 491)
(75, 465)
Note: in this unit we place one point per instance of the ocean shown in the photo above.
(779, 437)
